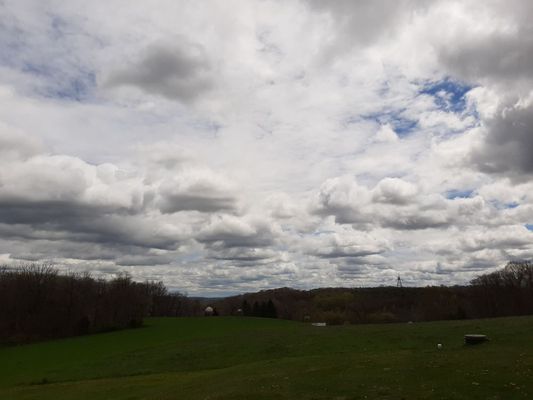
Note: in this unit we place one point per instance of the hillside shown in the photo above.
(243, 358)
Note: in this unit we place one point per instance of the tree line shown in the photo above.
(36, 302)
(506, 292)
(262, 309)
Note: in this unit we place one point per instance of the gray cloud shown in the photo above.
(228, 232)
(414, 219)
(204, 192)
(177, 71)
(508, 144)
(346, 244)
(362, 22)
(147, 258)
(499, 57)
(243, 254)
(190, 202)
(502, 55)
(36, 249)
(347, 253)
(78, 222)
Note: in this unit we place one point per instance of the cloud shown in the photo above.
(386, 134)
(496, 50)
(343, 198)
(499, 57)
(227, 231)
(67, 200)
(60, 180)
(394, 191)
(397, 204)
(345, 243)
(177, 70)
(502, 239)
(392, 202)
(15, 144)
(202, 191)
(303, 144)
(246, 255)
(362, 22)
(507, 144)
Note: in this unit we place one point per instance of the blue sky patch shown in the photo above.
(529, 227)
(504, 206)
(401, 125)
(56, 83)
(449, 95)
(513, 204)
(77, 88)
(459, 194)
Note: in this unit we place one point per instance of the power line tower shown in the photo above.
(399, 282)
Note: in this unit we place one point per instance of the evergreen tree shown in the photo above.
(256, 309)
(270, 310)
(246, 310)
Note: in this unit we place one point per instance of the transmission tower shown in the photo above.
(399, 282)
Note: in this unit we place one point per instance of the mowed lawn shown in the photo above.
(250, 358)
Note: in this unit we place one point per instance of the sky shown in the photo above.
(233, 146)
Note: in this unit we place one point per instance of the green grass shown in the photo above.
(247, 358)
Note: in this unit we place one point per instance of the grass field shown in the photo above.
(247, 358)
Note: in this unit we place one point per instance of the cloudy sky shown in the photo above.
(231, 146)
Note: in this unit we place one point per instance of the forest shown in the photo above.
(37, 302)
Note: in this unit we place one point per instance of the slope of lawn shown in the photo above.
(248, 358)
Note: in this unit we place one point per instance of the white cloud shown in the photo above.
(386, 134)
(200, 190)
(394, 191)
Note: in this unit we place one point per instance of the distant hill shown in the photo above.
(502, 293)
